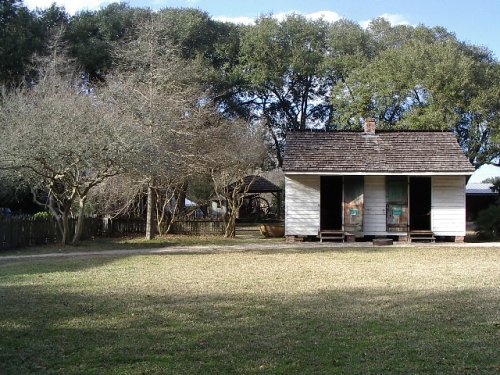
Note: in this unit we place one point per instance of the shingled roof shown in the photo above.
(383, 152)
(259, 185)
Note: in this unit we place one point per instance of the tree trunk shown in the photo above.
(230, 230)
(49, 204)
(161, 205)
(234, 203)
(150, 230)
(65, 226)
(181, 197)
(80, 222)
(180, 204)
(277, 146)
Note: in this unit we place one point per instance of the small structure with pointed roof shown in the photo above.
(255, 205)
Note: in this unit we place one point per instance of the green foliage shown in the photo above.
(42, 215)
(299, 74)
(292, 74)
(19, 39)
(93, 35)
(488, 222)
(424, 79)
(16, 194)
(282, 65)
(349, 47)
(53, 17)
(200, 189)
(192, 30)
(88, 45)
(24, 33)
(496, 184)
(50, 21)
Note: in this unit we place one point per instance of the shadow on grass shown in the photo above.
(135, 243)
(98, 244)
(334, 331)
(27, 267)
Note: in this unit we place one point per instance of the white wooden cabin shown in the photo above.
(383, 184)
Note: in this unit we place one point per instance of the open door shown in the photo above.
(353, 203)
(420, 203)
(396, 190)
(331, 203)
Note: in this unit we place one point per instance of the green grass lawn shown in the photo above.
(361, 310)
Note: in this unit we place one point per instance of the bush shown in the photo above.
(488, 223)
(42, 215)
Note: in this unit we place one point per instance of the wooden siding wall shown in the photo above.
(448, 205)
(375, 206)
(302, 205)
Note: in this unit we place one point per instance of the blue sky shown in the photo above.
(477, 22)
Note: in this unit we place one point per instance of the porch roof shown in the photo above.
(480, 188)
(379, 153)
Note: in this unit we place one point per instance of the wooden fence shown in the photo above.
(17, 232)
(22, 232)
(198, 227)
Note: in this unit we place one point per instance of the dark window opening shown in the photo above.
(331, 202)
(420, 203)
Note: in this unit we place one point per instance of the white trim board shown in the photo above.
(325, 173)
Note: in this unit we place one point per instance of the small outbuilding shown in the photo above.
(405, 185)
(256, 204)
(480, 194)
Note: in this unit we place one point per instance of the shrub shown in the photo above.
(42, 215)
(488, 222)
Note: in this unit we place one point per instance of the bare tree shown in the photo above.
(169, 203)
(232, 151)
(118, 196)
(63, 143)
(160, 93)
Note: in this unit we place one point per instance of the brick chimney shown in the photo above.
(369, 126)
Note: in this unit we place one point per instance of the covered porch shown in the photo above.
(355, 207)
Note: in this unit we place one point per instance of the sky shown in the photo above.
(476, 22)
(484, 172)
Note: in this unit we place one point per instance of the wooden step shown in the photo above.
(333, 235)
(422, 235)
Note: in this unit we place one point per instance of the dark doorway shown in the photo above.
(331, 202)
(420, 203)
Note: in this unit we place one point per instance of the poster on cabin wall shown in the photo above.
(353, 203)
(396, 190)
